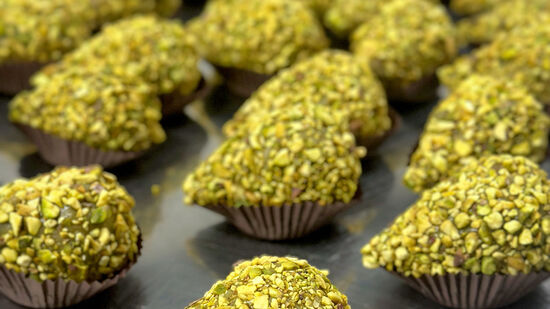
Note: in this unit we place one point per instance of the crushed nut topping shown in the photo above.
(71, 223)
(491, 217)
(332, 78)
(42, 31)
(100, 110)
(344, 16)
(262, 36)
(509, 15)
(273, 282)
(159, 52)
(304, 153)
(521, 55)
(468, 7)
(483, 116)
(407, 41)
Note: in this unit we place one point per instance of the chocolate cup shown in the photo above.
(280, 222)
(57, 293)
(475, 291)
(373, 142)
(242, 82)
(174, 102)
(57, 151)
(15, 76)
(420, 91)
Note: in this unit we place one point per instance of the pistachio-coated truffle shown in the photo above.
(100, 110)
(294, 155)
(273, 282)
(483, 116)
(71, 223)
(41, 31)
(158, 51)
(344, 16)
(332, 78)
(262, 36)
(492, 217)
(522, 55)
(504, 17)
(407, 41)
(468, 7)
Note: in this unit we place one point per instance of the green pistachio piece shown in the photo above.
(289, 283)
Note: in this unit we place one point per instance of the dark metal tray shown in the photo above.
(186, 249)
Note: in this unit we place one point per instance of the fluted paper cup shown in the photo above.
(281, 222)
(57, 151)
(242, 82)
(475, 291)
(173, 103)
(54, 293)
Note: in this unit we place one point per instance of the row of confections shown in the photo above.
(487, 225)
(35, 33)
(486, 216)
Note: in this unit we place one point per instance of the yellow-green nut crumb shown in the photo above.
(444, 232)
(262, 36)
(273, 282)
(42, 31)
(509, 15)
(158, 51)
(332, 78)
(468, 7)
(483, 116)
(294, 155)
(101, 110)
(71, 223)
(406, 42)
(521, 55)
(344, 16)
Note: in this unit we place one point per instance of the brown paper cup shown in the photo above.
(54, 293)
(57, 151)
(173, 103)
(372, 142)
(475, 291)
(15, 76)
(421, 91)
(242, 82)
(279, 223)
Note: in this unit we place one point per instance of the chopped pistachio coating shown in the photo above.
(41, 31)
(167, 8)
(158, 51)
(71, 223)
(492, 217)
(344, 16)
(100, 110)
(407, 41)
(303, 153)
(262, 36)
(522, 56)
(273, 282)
(468, 7)
(502, 18)
(332, 78)
(483, 116)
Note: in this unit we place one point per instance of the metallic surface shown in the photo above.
(186, 249)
